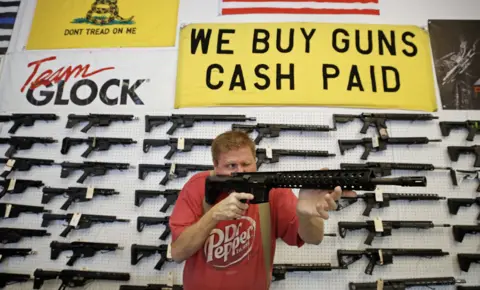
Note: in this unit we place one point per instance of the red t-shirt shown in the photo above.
(232, 257)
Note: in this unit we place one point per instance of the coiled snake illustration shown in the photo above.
(108, 15)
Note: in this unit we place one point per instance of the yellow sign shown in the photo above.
(103, 23)
(305, 64)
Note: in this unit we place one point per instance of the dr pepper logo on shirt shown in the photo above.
(230, 245)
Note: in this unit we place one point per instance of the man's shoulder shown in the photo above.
(198, 179)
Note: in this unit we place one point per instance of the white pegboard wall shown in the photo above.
(126, 183)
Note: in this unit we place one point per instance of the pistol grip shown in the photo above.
(15, 127)
(66, 231)
(165, 207)
(83, 177)
(258, 138)
(170, 153)
(477, 160)
(165, 179)
(369, 239)
(73, 259)
(368, 210)
(365, 126)
(370, 266)
(86, 128)
(173, 128)
(10, 151)
(87, 152)
(259, 163)
(165, 233)
(471, 134)
(160, 263)
(366, 153)
(67, 204)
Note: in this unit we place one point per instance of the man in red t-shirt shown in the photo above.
(222, 244)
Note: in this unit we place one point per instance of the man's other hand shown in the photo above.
(231, 207)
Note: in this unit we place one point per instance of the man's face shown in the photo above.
(240, 160)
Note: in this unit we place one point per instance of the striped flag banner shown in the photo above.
(333, 7)
(8, 14)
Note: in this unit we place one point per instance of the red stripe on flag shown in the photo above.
(300, 1)
(271, 10)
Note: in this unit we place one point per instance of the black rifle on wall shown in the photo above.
(378, 120)
(377, 144)
(26, 120)
(188, 120)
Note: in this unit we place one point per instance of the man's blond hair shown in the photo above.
(231, 140)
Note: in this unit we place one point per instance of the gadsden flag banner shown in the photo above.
(61, 24)
(305, 64)
(332, 7)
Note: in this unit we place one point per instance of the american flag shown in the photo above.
(8, 14)
(346, 7)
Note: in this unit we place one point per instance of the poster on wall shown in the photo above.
(81, 81)
(305, 64)
(313, 7)
(59, 24)
(456, 52)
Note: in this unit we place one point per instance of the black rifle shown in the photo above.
(75, 194)
(402, 284)
(143, 221)
(24, 143)
(139, 252)
(172, 170)
(471, 174)
(27, 120)
(383, 256)
(14, 235)
(385, 168)
(84, 222)
(187, 121)
(187, 146)
(370, 145)
(170, 195)
(468, 287)
(273, 130)
(96, 120)
(378, 120)
(12, 210)
(370, 198)
(459, 231)
(15, 186)
(260, 183)
(90, 168)
(465, 259)
(13, 278)
(151, 287)
(279, 270)
(94, 144)
(23, 164)
(455, 203)
(455, 151)
(388, 226)
(263, 156)
(472, 126)
(15, 252)
(80, 250)
(75, 278)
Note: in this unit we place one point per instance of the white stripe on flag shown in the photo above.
(295, 4)
(8, 9)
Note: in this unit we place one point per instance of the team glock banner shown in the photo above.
(305, 64)
(61, 24)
